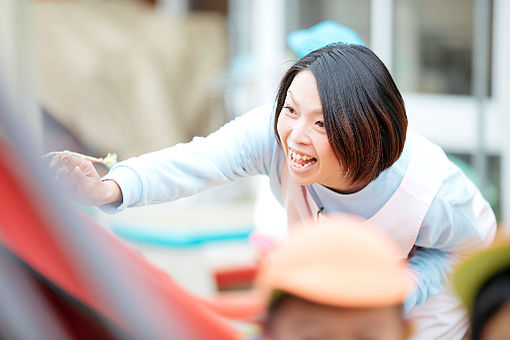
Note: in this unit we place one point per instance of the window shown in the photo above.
(433, 46)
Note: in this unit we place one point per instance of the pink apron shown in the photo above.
(441, 316)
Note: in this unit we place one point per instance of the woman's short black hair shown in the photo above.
(363, 110)
(490, 298)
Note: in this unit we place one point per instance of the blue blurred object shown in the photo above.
(177, 237)
(326, 32)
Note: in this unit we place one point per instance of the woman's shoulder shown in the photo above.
(453, 178)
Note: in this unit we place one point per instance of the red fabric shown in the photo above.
(25, 221)
(235, 277)
(242, 305)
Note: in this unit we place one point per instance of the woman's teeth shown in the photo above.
(301, 161)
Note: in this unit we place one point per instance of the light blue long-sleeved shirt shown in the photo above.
(247, 146)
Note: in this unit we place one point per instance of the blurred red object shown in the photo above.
(235, 278)
(241, 305)
(75, 280)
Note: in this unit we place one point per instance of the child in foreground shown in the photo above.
(483, 283)
(338, 281)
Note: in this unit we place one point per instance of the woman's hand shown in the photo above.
(79, 177)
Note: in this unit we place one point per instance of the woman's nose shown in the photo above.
(300, 134)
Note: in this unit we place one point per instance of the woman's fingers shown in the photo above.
(80, 179)
(62, 174)
(64, 180)
(55, 160)
(71, 162)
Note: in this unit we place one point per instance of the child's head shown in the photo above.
(344, 96)
(335, 280)
(483, 283)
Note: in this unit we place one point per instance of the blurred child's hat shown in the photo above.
(324, 33)
(339, 263)
(471, 274)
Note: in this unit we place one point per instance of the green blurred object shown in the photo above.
(476, 270)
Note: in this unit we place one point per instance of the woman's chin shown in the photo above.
(301, 177)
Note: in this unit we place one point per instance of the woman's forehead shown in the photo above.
(303, 92)
(304, 106)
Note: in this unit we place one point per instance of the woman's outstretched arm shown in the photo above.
(243, 147)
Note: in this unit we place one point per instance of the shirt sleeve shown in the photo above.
(242, 147)
(458, 222)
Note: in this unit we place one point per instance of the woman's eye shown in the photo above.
(319, 123)
(290, 110)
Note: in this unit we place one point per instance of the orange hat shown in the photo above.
(337, 263)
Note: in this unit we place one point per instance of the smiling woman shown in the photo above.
(355, 103)
(336, 142)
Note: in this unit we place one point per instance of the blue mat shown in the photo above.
(178, 237)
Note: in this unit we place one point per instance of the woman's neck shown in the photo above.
(348, 189)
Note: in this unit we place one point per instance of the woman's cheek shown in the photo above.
(281, 129)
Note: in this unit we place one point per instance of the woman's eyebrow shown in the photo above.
(316, 112)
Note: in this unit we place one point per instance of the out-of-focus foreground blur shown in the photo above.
(131, 76)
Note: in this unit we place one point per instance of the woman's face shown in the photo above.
(310, 158)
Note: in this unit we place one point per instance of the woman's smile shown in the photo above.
(300, 161)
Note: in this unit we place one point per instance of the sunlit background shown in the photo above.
(131, 76)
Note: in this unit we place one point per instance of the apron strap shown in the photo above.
(402, 215)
